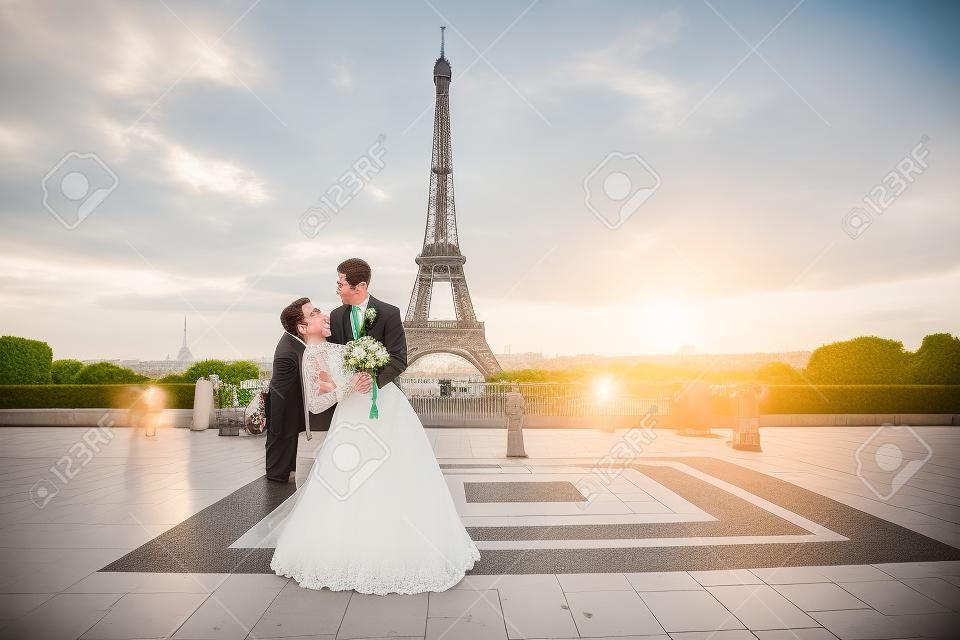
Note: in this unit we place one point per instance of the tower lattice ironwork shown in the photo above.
(440, 259)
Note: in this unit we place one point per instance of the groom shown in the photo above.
(287, 415)
(346, 321)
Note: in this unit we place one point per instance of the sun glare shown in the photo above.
(670, 325)
(603, 389)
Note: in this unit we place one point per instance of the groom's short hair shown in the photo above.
(355, 271)
(292, 315)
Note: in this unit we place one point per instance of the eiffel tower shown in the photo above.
(441, 260)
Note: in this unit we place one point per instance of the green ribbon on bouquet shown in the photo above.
(358, 331)
(374, 412)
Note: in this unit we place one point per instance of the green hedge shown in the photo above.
(89, 396)
(921, 398)
(778, 399)
(863, 360)
(24, 361)
(107, 373)
(859, 398)
(937, 361)
(64, 371)
(232, 372)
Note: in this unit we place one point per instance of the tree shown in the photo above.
(863, 360)
(237, 372)
(64, 371)
(24, 361)
(528, 375)
(937, 361)
(107, 373)
(234, 372)
(203, 369)
(778, 373)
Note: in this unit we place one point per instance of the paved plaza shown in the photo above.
(831, 532)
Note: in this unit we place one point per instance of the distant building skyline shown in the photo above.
(685, 355)
(447, 364)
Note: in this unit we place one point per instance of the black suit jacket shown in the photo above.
(287, 413)
(387, 328)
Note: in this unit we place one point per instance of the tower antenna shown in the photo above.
(442, 29)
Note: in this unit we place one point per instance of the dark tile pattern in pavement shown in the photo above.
(201, 543)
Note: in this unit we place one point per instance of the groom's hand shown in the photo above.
(362, 382)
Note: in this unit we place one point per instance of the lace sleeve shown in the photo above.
(315, 363)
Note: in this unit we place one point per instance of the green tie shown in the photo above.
(356, 321)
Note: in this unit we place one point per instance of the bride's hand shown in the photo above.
(362, 382)
(325, 383)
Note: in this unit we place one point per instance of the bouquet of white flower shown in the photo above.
(367, 354)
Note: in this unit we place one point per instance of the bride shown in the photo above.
(375, 514)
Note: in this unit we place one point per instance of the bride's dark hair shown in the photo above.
(292, 315)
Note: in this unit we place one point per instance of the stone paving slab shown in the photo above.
(870, 568)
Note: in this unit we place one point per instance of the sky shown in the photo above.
(631, 177)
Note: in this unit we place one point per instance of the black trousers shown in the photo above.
(281, 456)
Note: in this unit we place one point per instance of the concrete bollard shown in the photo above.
(695, 411)
(153, 401)
(513, 409)
(746, 432)
(202, 405)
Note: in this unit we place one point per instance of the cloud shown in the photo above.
(186, 166)
(145, 61)
(340, 74)
(207, 213)
(620, 69)
(377, 193)
(25, 278)
(138, 52)
(629, 68)
(216, 176)
(16, 138)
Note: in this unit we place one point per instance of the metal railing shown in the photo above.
(442, 324)
(467, 400)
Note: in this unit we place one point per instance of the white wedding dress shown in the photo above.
(375, 514)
